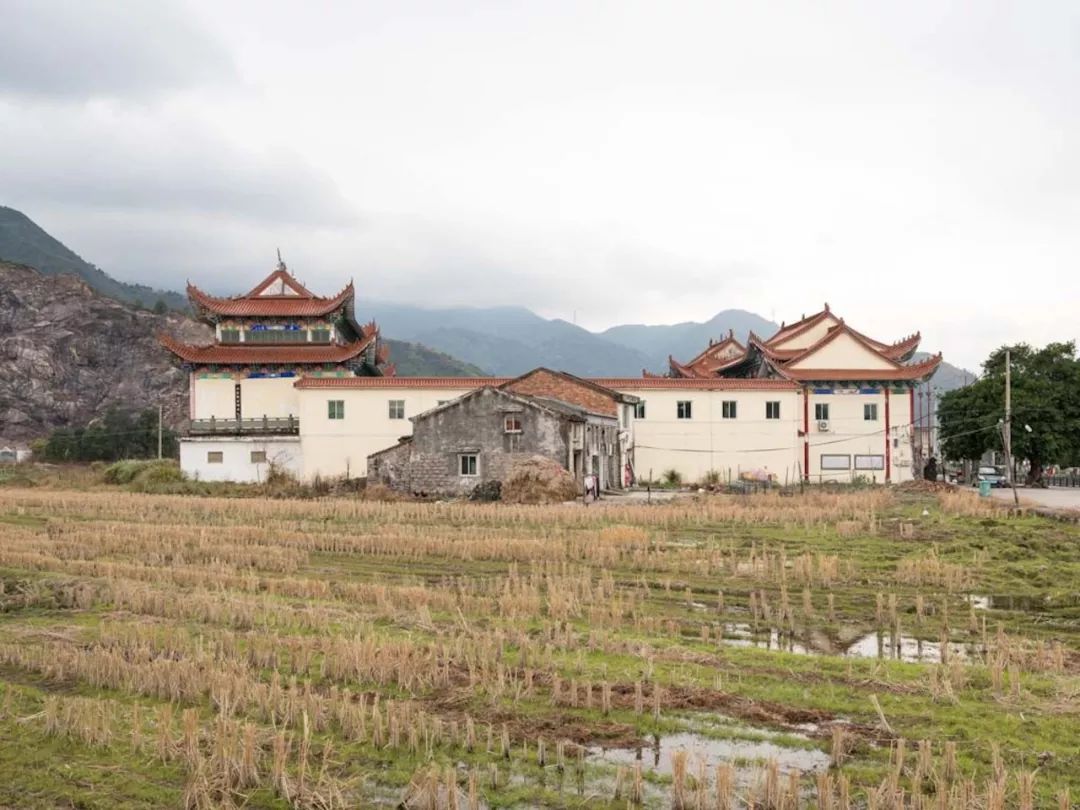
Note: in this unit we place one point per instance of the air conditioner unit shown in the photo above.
(823, 426)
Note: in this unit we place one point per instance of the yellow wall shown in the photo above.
(708, 442)
(334, 447)
(843, 352)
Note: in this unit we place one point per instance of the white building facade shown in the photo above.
(818, 402)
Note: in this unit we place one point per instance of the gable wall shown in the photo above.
(843, 352)
(474, 424)
(809, 337)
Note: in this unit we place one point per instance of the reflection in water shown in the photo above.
(712, 752)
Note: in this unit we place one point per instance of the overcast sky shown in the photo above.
(914, 164)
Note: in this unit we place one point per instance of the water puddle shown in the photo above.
(710, 752)
(908, 648)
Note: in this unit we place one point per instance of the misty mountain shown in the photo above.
(457, 341)
(686, 340)
(506, 340)
(22, 241)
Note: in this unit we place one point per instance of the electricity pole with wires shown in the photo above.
(159, 431)
(1006, 427)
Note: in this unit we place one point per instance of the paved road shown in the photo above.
(1054, 497)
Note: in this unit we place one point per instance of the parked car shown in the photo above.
(995, 475)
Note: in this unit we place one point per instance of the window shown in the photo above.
(871, 462)
(639, 410)
(215, 457)
(468, 464)
(439, 402)
(397, 409)
(682, 409)
(869, 412)
(772, 410)
(728, 409)
(287, 335)
(835, 462)
(512, 424)
(821, 411)
(230, 335)
(258, 456)
(320, 335)
(335, 408)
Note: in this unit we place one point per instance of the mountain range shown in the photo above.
(452, 341)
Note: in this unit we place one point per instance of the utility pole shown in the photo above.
(159, 417)
(1007, 427)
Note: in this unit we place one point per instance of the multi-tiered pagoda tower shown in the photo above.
(242, 382)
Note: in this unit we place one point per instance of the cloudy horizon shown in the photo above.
(629, 162)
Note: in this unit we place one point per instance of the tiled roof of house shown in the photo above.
(259, 354)
(615, 383)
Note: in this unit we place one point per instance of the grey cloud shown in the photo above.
(101, 159)
(51, 49)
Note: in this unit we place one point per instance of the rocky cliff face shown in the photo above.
(67, 354)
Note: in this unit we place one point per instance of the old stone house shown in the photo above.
(477, 437)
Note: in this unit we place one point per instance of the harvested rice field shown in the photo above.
(871, 649)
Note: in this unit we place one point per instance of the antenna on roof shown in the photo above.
(280, 263)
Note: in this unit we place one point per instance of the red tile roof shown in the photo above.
(303, 303)
(800, 326)
(258, 354)
(615, 383)
(400, 382)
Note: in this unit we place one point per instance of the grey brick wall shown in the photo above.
(430, 462)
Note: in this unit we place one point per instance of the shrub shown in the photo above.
(146, 474)
(487, 491)
(672, 478)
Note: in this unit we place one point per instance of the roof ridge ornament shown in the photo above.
(280, 262)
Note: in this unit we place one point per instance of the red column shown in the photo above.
(806, 434)
(888, 441)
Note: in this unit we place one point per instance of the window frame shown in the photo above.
(729, 409)
(819, 409)
(684, 409)
(335, 409)
(395, 408)
(845, 456)
(772, 409)
(210, 456)
(231, 336)
(463, 466)
(321, 331)
(639, 409)
(512, 419)
(877, 462)
(869, 408)
(255, 453)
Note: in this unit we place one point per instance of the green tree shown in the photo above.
(118, 434)
(160, 307)
(1045, 403)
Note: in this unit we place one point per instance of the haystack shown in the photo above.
(538, 480)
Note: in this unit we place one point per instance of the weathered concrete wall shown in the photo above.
(475, 425)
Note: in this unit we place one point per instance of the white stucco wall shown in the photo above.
(708, 442)
(216, 397)
(335, 447)
(849, 434)
(236, 463)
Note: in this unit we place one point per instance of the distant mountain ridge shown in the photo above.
(503, 341)
(22, 241)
